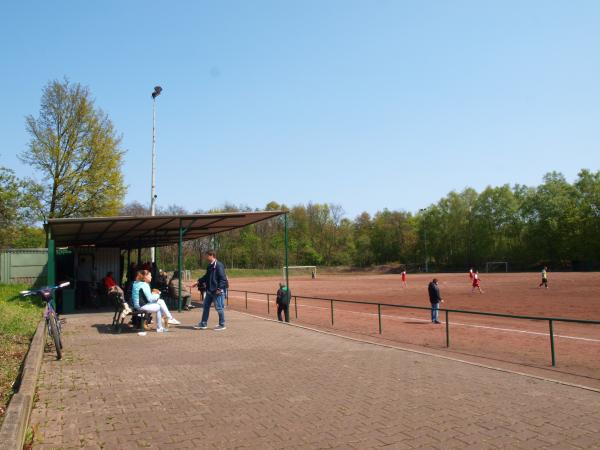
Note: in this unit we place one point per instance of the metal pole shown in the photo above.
(285, 235)
(180, 263)
(296, 306)
(447, 329)
(51, 271)
(551, 325)
(268, 306)
(379, 316)
(153, 187)
(246, 300)
(331, 312)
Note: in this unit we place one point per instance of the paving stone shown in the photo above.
(262, 385)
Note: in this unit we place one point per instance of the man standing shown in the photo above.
(435, 299)
(283, 302)
(216, 283)
(544, 278)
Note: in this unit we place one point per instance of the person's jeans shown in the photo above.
(286, 311)
(160, 308)
(435, 309)
(209, 298)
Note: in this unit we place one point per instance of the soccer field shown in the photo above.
(571, 295)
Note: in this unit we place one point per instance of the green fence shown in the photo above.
(551, 320)
(23, 266)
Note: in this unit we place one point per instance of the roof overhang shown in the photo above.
(147, 231)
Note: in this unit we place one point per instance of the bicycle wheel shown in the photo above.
(59, 328)
(55, 336)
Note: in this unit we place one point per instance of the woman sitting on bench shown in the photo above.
(146, 300)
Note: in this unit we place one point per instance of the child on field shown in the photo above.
(544, 278)
(404, 278)
(476, 283)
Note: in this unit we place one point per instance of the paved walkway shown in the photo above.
(261, 384)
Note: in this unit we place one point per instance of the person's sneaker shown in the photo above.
(437, 321)
(173, 321)
(200, 327)
(220, 328)
(162, 330)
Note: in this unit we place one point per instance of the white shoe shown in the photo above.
(173, 321)
(142, 333)
(162, 330)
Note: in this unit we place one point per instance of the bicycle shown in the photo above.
(53, 323)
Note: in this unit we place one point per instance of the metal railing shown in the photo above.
(550, 320)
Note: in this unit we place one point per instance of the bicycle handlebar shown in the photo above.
(45, 288)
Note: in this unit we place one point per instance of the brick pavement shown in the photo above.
(266, 385)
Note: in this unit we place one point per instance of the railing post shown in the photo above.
(268, 306)
(331, 312)
(246, 300)
(447, 329)
(379, 315)
(296, 306)
(551, 326)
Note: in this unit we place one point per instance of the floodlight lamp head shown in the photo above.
(157, 91)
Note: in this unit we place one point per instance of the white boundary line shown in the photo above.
(419, 352)
(486, 327)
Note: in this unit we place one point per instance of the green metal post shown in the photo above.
(285, 238)
(246, 300)
(296, 306)
(51, 270)
(551, 325)
(268, 306)
(447, 329)
(139, 256)
(379, 316)
(331, 312)
(180, 264)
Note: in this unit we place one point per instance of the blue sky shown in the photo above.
(369, 104)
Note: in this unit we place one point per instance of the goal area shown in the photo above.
(310, 271)
(496, 266)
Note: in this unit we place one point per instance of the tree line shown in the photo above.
(556, 223)
(76, 153)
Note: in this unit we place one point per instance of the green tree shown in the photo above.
(17, 204)
(552, 221)
(588, 241)
(76, 150)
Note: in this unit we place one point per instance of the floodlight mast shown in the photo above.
(156, 93)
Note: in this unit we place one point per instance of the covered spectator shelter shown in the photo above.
(137, 232)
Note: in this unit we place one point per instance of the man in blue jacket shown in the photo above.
(216, 284)
(435, 298)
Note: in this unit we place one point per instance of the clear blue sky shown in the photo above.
(369, 104)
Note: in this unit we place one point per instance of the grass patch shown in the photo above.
(19, 318)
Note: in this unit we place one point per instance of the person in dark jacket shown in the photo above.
(435, 299)
(216, 283)
(283, 302)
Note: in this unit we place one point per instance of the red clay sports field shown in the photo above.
(525, 342)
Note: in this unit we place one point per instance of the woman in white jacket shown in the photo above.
(146, 300)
